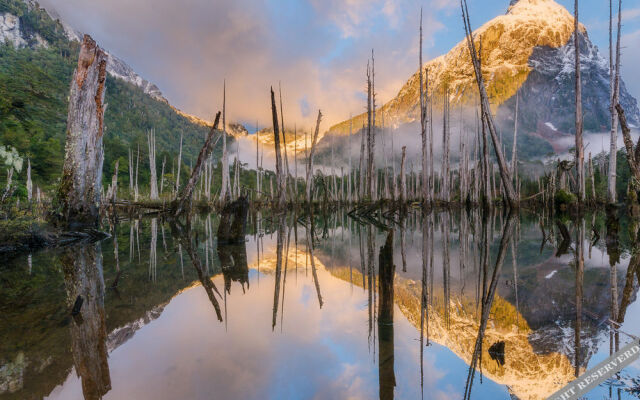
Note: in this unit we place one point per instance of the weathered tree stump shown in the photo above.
(79, 192)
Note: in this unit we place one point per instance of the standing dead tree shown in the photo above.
(151, 141)
(486, 110)
(614, 84)
(79, 192)
(226, 187)
(578, 82)
(177, 188)
(314, 141)
(423, 123)
(184, 201)
(280, 179)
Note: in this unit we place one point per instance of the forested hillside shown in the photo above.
(34, 86)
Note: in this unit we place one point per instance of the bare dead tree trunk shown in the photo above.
(445, 144)
(177, 189)
(579, 146)
(280, 183)
(514, 149)
(151, 141)
(184, 201)
(361, 168)
(136, 190)
(633, 157)
(295, 163)
(130, 172)
(226, 187)
(369, 175)
(350, 170)
(79, 191)
(314, 141)
(423, 123)
(403, 177)
(372, 131)
(484, 98)
(258, 187)
(593, 182)
(613, 147)
(114, 183)
(29, 182)
(164, 161)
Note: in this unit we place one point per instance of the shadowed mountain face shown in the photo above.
(528, 51)
(320, 300)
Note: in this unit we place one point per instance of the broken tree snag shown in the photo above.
(79, 192)
(184, 200)
(314, 141)
(233, 221)
(280, 182)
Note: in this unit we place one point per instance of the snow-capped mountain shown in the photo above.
(528, 51)
(13, 32)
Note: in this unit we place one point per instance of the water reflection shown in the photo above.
(480, 305)
(85, 297)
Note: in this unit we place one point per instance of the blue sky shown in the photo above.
(318, 49)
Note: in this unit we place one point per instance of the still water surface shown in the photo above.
(169, 313)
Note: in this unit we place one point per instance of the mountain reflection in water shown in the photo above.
(442, 305)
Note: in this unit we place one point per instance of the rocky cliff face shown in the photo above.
(13, 32)
(528, 51)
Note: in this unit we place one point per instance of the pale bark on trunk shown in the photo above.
(484, 98)
(130, 172)
(578, 88)
(79, 191)
(361, 168)
(184, 201)
(349, 198)
(151, 141)
(226, 187)
(164, 161)
(29, 182)
(445, 144)
(258, 188)
(372, 137)
(615, 94)
(403, 178)
(314, 141)
(177, 188)
(369, 174)
(423, 123)
(514, 149)
(114, 183)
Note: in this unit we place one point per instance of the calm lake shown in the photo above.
(332, 309)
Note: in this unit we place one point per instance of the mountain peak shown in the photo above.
(527, 50)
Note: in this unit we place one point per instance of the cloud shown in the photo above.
(317, 49)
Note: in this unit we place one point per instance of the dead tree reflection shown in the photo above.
(84, 285)
(233, 262)
(184, 237)
(386, 373)
(487, 300)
